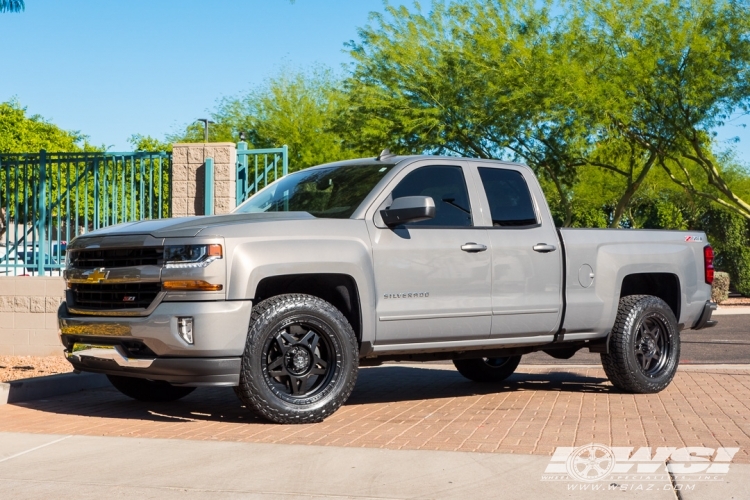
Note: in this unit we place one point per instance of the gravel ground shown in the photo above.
(18, 367)
(736, 301)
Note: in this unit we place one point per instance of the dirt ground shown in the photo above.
(18, 367)
(736, 301)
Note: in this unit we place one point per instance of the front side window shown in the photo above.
(333, 192)
(509, 197)
(447, 187)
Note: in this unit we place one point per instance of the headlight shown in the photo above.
(176, 256)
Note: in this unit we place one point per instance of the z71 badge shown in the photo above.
(694, 238)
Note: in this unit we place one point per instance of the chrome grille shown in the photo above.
(114, 296)
(116, 257)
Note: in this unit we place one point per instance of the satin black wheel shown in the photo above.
(300, 361)
(644, 345)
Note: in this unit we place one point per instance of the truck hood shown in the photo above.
(187, 227)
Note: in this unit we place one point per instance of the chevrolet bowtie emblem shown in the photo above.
(97, 275)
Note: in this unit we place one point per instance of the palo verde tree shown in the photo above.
(619, 85)
(672, 72)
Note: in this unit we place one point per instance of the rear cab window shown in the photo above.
(509, 198)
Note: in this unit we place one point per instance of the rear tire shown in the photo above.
(644, 345)
(487, 370)
(151, 391)
(300, 362)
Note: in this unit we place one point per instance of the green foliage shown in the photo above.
(729, 234)
(148, 143)
(20, 133)
(296, 109)
(622, 85)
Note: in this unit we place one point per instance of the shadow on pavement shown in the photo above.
(378, 385)
(393, 383)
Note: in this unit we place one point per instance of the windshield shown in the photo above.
(333, 192)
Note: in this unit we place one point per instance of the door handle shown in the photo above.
(473, 247)
(544, 248)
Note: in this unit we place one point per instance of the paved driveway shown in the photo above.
(431, 407)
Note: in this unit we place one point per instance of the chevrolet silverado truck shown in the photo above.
(353, 263)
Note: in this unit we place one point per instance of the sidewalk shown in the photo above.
(729, 310)
(78, 467)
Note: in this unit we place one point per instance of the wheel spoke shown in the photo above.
(276, 367)
(286, 336)
(310, 340)
(646, 361)
(296, 384)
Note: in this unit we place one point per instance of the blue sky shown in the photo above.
(112, 68)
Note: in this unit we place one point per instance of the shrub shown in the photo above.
(720, 288)
(728, 234)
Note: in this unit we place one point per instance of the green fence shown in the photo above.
(258, 167)
(46, 199)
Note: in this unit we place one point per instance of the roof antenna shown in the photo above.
(385, 154)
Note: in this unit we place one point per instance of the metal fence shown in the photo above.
(46, 199)
(256, 168)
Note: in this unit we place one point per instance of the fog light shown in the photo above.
(185, 329)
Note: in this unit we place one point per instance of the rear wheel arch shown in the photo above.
(666, 286)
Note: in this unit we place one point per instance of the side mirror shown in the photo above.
(408, 209)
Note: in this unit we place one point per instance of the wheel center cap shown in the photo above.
(297, 360)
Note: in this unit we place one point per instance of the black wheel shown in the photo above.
(644, 346)
(300, 362)
(487, 369)
(148, 390)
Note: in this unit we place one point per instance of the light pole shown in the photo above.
(205, 121)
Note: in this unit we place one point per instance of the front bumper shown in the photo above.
(151, 347)
(192, 372)
(705, 320)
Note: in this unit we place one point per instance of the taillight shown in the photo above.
(708, 263)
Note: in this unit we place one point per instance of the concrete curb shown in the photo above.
(729, 310)
(29, 389)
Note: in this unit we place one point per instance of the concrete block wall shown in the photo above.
(28, 315)
(189, 174)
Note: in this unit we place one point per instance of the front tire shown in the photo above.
(644, 345)
(300, 361)
(487, 370)
(150, 391)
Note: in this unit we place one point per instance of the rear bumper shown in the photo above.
(705, 320)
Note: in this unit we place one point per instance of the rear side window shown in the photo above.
(509, 197)
(447, 187)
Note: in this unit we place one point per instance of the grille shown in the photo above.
(116, 257)
(115, 296)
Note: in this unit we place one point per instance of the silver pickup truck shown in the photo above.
(396, 258)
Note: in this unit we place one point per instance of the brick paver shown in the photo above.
(434, 408)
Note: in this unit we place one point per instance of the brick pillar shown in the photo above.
(189, 174)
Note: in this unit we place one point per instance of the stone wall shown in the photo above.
(189, 174)
(28, 315)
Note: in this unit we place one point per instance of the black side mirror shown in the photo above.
(408, 209)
